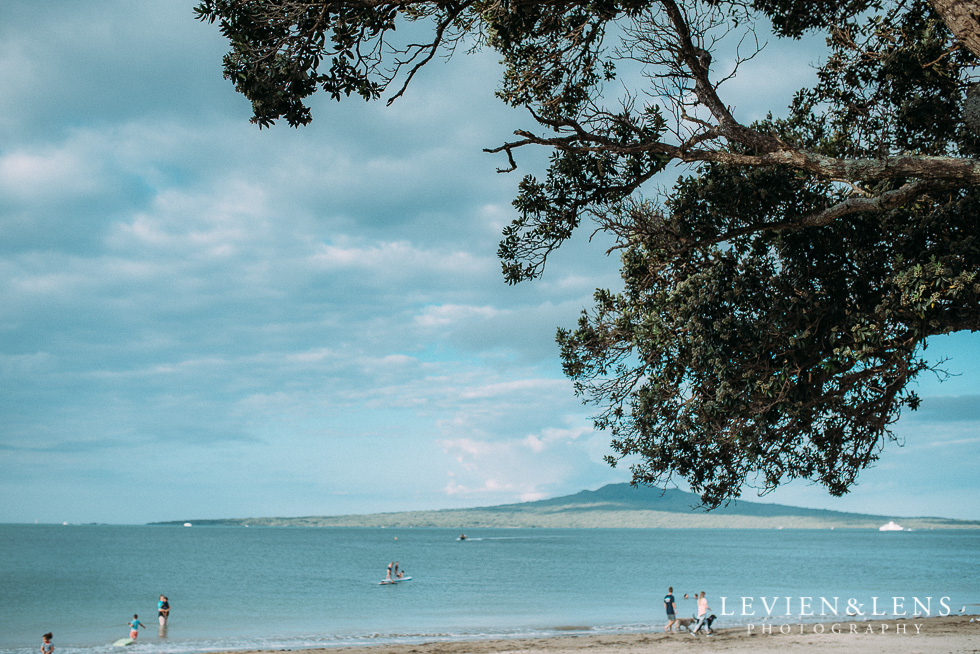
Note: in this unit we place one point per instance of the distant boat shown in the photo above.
(187, 524)
(890, 526)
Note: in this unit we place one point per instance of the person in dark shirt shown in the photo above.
(671, 609)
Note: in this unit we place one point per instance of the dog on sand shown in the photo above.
(688, 623)
(685, 623)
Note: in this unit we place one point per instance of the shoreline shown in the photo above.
(951, 634)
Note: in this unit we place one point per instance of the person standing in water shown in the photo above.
(47, 647)
(163, 610)
(163, 614)
(134, 627)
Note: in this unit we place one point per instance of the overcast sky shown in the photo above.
(201, 319)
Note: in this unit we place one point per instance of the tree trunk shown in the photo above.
(962, 17)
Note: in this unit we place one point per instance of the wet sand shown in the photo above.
(953, 634)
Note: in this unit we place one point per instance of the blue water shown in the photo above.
(237, 588)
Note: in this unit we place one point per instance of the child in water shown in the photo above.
(134, 627)
(47, 646)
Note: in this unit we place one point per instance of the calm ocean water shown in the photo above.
(235, 587)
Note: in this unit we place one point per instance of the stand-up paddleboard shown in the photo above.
(122, 642)
(391, 582)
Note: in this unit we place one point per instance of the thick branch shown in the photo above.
(962, 172)
(884, 202)
(963, 20)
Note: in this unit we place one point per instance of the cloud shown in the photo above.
(539, 443)
(23, 365)
(519, 469)
(105, 64)
(945, 409)
(956, 442)
(48, 174)
(187, 226)
(402, 261)
(451, 314)
(517, 388)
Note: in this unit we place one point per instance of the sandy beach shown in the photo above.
(953, 634)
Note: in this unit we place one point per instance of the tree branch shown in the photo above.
(962, 172)
(696, 61)
(884, 202)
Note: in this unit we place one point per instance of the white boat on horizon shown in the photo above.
(891, 525)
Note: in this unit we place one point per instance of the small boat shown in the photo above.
(891, 525)
(392, 582)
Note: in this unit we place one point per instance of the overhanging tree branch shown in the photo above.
(769, 323)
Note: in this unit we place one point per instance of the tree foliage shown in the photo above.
(776, 301)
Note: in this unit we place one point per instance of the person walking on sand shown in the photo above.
(671, 608)
(47, 647)
(134, 627)
(702, 613)
(163, 610)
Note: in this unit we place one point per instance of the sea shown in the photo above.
(234, 588)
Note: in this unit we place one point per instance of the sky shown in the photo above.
(201, 319)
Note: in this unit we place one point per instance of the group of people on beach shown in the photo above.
(703, 619)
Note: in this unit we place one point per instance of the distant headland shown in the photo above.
(612, 506)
